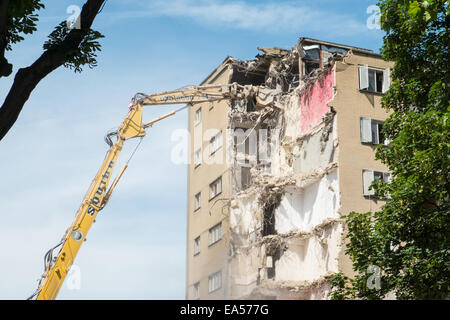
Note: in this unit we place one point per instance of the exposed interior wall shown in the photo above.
(314, 100)
(291, 290)
(317, 149)
(285, 227)
(307, 259)
(245, 272)
(303, 210)
(244, 219)
(292, 115)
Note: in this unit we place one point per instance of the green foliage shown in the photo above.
(409, 237)
(83, 54)
(22, 20)
(417, 39)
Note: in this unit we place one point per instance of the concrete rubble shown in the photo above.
(285, 227)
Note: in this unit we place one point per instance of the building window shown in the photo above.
(198, 116)
(214, 282)
(215, 233)
(197, 290)
(244, 178)
(216, 142)
(371, 131)
(312, 52)
(374, 80)
(197, 246)
(369, 176)
(198, 157)
(311, 58)
(215, 188)
(197, 199)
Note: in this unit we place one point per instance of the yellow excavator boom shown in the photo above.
(56, 268)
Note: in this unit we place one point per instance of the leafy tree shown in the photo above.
(66, 46)
(408, 239)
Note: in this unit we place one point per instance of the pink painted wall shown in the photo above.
(313, 102)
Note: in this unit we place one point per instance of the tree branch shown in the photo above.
(5, 67)
(27, 78)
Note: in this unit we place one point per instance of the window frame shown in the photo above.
(196, 287)
(212, 232)
(364, 72)
(366, 134)
(197, 246)
(198, 119)
(214, 183)
(242, 183)
(216, 143)
(369, 174)
(196, 164)
(211, 277)
(199, 194)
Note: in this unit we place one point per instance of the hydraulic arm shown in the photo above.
(95, 199)
(56, 268)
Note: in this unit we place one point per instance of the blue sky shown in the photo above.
(136, 250)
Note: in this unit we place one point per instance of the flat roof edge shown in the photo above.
(354, 49)
(218, 69)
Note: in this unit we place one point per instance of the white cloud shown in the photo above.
(293, 16)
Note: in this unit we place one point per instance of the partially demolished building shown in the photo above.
(267, 187)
